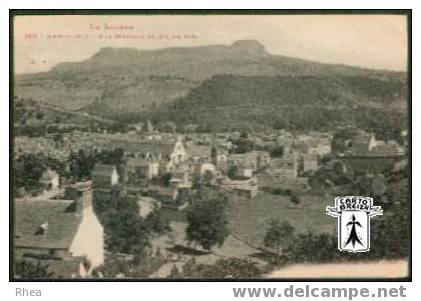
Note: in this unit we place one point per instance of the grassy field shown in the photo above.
(248, 222)
(249, 218)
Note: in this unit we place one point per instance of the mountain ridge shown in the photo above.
(117, 82)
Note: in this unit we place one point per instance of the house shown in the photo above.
(104, 176)
(287, 142)
(351, 142)
(77, 190)
(166, 195)
(400, 165)
(320, 147)
(247, 171)
(147, 205)
(248, 192)
(184, 191)
(74, 267)
(285, 167)
(140, 168)
(247, 159)
(145, 127)
(262, 159)
(198, 150)
(255, 160)
(387, 148)
(243, 187)
(59, 233)
(165, 166)
(190, 128)
(154, 149)
(149, 128)
(110, 196)
(179, 153)
(179, 177)
(241, 171)
(50, 179)
(134, 191)
(310, 162)
(173, 198)
(218, 155)
(204, 172)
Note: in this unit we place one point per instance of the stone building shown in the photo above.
(104, 176)
(140, 168)
(247, 188)
(285, 167)
(310, 162)
(50, 179)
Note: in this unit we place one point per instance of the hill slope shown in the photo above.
(298, 102)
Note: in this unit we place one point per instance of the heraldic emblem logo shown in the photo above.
(354, 214)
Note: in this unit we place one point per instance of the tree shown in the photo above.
(81, 164)
(232, 171)
(39, 115)
(114, 157)
(244, 135)
(231, 267)
(58, 138)
(207, 177)
(234, 267)
(295, 199)
(277, 152)
(155, 223)
(280, 191)
(207, 221)
(165, 179)
(278, 236)
(243, 146)
(29, 270)
(131, 268)
(169, 127)
(125, 232)
(28, 170)
(214, 155)
(312, 247)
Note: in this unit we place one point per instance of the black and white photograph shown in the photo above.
(230, 145)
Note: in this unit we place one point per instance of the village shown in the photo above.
(280, 174)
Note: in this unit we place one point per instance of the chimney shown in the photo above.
(42, 229)
(84, 199)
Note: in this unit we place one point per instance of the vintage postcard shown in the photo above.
(199, 146)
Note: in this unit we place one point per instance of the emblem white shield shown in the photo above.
(354, 213)
(354, 231)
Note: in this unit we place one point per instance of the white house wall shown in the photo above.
(89, 239)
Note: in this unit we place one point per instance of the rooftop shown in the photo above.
(144, 147)
(62, 223)
(103, 170)
(137, 162)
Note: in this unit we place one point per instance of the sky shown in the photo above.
(371, 41)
